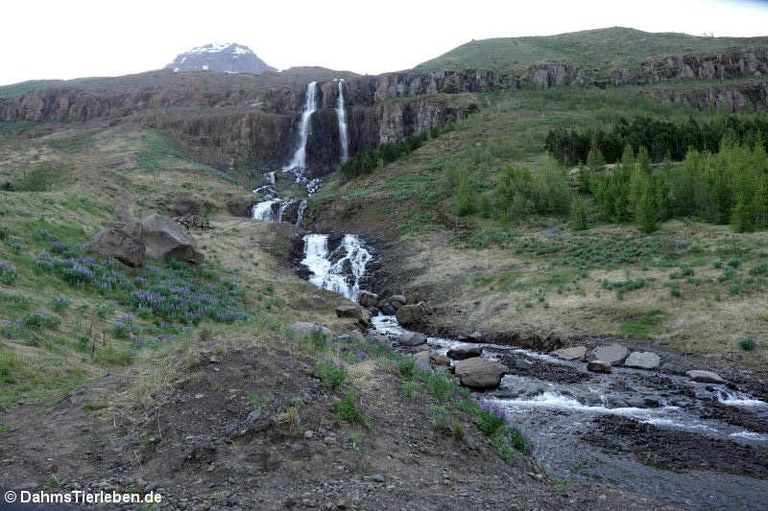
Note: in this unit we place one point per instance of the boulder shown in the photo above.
(599, 366)
(574, 353)
(368, 299)
(388, 310)
(440, 360)
(614, 354)
(119, 242)
(397, 301)
(412, 339)
(643, 360)
(381, 340)
(704, 376)
(354, 311)
(479, 374)
(352, 336)
(164, 238)
(306, 328)
(412, 313)
(465, 353)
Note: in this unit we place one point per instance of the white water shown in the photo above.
(299, 161)
(264, 211)
(342, 116)
(344, 275)
(300, 213)
(735, 398)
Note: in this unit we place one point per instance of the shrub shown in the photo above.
(438, 416)
(124, 327)
(260, 401)
(332, 373)
(747, 344)
(406, 366)
(40, 320)
(409, 389)
(346, 410)
(8, 274)
(440, 386)
(61, 303)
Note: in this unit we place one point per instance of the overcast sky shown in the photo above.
(77, 38)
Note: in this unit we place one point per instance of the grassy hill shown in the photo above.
(605, 50)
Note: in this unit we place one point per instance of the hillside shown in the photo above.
(564, 199)
(605, 51)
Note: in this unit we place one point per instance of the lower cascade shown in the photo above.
(340, 270)
(578, 421)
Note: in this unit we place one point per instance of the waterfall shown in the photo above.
(352, 258)
(299, 161)
(342, 116)
(302, 209)
(265, 211)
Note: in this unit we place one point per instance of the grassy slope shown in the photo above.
(606, 50)
(537, 276)
(94, 177)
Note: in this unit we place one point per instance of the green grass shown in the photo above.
(643, 325)
(605, 50)
(332, 373)
(347, 410)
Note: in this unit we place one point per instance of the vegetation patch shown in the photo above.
(644, 324)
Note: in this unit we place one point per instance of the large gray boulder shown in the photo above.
(413, 313)
(120, 242)
(354, 311)
(412, 339)
(614, 354)
(643, 360)
(165, 239)
(479, 374)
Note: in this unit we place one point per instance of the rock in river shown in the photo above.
(479, 374)
(704, 376)
(574, 353)
(599, 366)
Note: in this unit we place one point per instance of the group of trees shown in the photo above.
(367, 161)
(663, 139)
(730, 186)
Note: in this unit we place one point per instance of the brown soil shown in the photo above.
(199, 450)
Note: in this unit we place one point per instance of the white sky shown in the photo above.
(77, 38)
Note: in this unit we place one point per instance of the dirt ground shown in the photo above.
(201, 447)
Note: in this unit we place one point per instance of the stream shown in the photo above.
(695, 445)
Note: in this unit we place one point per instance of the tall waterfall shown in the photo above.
(341, 114)
(299, 161)
(352, 258)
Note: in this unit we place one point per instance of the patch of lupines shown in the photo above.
(8, 273)
(124, 326)
(173, 293)
(332, 373)
(491, 417)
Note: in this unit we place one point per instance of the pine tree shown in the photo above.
(646, 212)
(579, 221)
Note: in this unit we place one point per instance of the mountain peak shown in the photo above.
(221, 58)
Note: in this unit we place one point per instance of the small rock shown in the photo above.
(423, 359)
(574, 353)
(470, 442)
(465, 352)
(599, 366)
(253, 417)
(523, 364)
(440, 360)
(704, 376)
(379, 478)
(352, 336)
(308, 434)
(475, 336)
(306, 328)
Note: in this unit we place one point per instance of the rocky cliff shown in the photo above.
(252, 121)
(221, 58)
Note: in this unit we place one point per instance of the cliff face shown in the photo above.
(253, 120)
